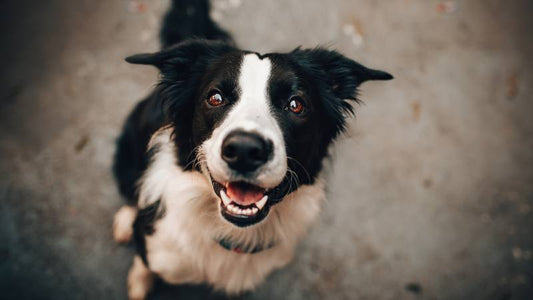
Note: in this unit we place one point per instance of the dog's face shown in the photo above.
(257, 125)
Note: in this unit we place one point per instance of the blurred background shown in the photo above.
(431, 194)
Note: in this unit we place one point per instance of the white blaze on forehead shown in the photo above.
(253, 105)
(252, 113)
(253, 78)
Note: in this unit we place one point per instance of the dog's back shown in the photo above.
(190, 19)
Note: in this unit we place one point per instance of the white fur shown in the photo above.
(183, 248)
(251, 113)
(123, 223)
(140, 280)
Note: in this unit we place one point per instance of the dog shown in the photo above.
(223, 162)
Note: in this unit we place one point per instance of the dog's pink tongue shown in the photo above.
(244, 194)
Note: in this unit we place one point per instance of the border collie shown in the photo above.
(222, 162)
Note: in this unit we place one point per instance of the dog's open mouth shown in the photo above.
(243, 199)
(241, 203)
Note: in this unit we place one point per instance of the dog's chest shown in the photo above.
(181, 255)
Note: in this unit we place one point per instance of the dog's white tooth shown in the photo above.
(254, 210)
(247, 211)
(261, 203)
(225, 198)
(236, 209)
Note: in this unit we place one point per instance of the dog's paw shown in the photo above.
(140, 280)
(123, 224)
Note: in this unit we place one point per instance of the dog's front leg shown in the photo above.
(140, 280)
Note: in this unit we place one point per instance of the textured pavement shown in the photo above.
(430, 194)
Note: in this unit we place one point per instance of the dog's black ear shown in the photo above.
(335, 79)
(183, 54)
(340, 73)
(182, 68)
(145, 59)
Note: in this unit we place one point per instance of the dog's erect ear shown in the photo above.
(336, 79)
(183, 53)
(145, 59)
(341, 74)
(182, 68)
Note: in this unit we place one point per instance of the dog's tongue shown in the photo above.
(243, 193)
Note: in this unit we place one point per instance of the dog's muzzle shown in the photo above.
(244, 200)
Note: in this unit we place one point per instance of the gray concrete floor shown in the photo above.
(431, 194)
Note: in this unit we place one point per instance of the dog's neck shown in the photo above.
(229, 245)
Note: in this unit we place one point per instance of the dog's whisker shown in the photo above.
(292, 176)
(194, 162)
(301, 166)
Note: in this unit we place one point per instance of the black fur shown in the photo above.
(144, 225)
(324, 80)
(130, 158)
(328, 81)
(167, 100)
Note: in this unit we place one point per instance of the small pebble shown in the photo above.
(517, 253)
(447, 7)
(354, 33)
(137, 6)
(235, 3)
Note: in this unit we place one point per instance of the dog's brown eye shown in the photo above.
(215, 99)
(296, 105)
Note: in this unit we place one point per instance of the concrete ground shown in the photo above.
(431, 193)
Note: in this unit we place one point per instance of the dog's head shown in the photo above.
(257, 125)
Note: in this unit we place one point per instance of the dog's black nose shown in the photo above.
(245, 152)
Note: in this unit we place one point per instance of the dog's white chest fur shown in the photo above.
(184, 247)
